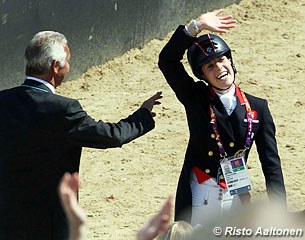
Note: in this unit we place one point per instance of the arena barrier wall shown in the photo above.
(97, 30)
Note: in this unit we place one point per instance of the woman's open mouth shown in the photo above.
(222, 75)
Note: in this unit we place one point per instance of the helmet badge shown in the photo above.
(208, 49)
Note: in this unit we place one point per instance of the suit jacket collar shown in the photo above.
(36, 85)
(222, 118)
(240, 111)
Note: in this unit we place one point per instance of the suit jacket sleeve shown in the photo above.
(268, 155)
(84, 131)
(170, 63)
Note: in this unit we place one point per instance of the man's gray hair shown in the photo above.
(42, 50)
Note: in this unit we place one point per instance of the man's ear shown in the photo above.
(55, 66)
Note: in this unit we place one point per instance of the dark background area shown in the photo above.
(97, 30)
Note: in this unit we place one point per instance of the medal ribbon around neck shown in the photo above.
(244, 101)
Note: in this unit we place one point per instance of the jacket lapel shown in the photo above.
(240, 111)
(222, 117)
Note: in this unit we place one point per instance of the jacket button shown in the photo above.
(213, 135)
(210, 153)
(231, 144)
(221, 177)
(207, 171)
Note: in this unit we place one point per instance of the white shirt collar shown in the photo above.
(50, 86)
(228, 100)
(229, 94)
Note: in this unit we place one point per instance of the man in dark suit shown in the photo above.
(42, 135)
(223, 122)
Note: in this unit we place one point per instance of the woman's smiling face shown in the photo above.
(219, 73)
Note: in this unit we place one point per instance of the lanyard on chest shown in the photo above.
(244, 101)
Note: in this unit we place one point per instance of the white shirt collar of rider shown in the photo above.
(228, 100)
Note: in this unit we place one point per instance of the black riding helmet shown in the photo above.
(205, 49)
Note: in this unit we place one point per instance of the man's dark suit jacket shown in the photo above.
(202, 150)
(41, 138)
